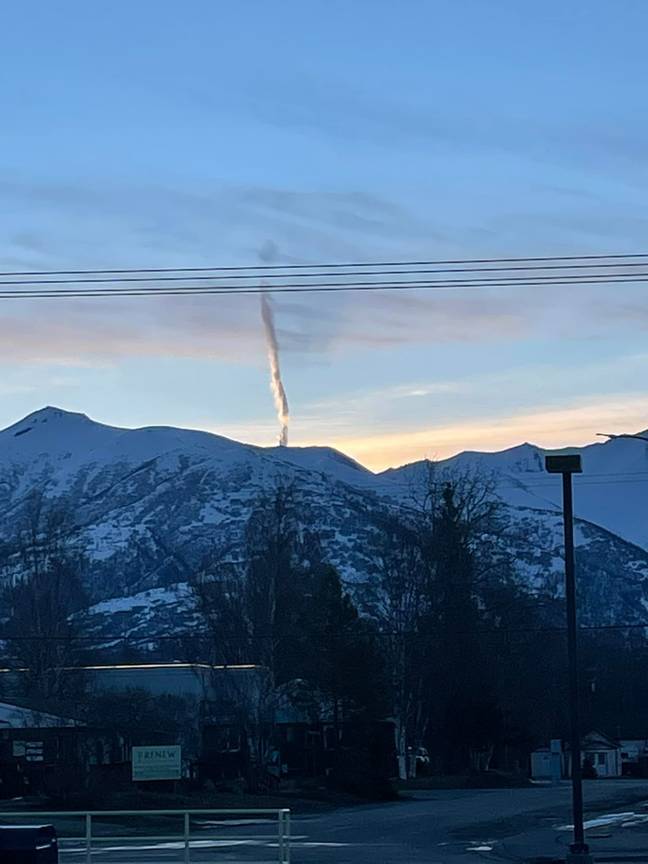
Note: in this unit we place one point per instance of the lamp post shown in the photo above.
(567, 466)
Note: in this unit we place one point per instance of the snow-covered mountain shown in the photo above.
(149, 504)
(611, 492)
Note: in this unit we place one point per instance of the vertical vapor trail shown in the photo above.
(276, 384)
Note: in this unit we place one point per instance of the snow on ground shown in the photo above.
(626, 820)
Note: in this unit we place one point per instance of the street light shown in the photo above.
(568, 465)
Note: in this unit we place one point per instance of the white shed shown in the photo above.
(601, 753)
(547, 762)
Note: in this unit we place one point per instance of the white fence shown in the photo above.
(196, 829)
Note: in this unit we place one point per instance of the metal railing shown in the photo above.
(182, 840)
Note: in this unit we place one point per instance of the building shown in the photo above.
(200, 681)
(547, 763)
(23, 717)
(43, 752)
(600, 756)
(634, 757)
(239, 727)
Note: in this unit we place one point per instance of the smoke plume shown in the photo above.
(276, 384)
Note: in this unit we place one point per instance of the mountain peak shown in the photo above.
(48, 414)
(53, 430)
(51, 412)
(150, 505)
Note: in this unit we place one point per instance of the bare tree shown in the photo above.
(402, 577)
(441, 558)
(243, 602)
(47, 590)
(283, 608)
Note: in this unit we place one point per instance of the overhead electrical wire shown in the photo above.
(99, 276)
(335, 265)
(378, 634)
(362, 276)
(315, 288)
(541, 482)
(560, 278)
(357, 277)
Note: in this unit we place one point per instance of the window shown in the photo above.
(600, 758)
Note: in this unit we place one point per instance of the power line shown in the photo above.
(580, 479)
(466, 273)
(108, 276)
(331, 266)
(521, 485)
(622, 482)
(314, 288)
(379, 634)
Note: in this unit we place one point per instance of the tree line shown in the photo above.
(448, 643)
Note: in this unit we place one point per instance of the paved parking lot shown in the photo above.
(435, 826)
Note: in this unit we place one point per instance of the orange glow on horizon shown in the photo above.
(550, 427)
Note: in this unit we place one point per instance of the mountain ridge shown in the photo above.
(148, 504)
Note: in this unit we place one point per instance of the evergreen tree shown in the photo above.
(341, 655)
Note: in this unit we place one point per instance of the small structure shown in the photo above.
(547, 763)
(601, 756)
(22, 717)
(634, 757)
(43, 752)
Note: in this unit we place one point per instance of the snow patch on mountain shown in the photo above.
(150, 504)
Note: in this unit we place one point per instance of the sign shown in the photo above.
(32, 751)
(163, 762)
(563, 464)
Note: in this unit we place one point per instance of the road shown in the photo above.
(436, 827)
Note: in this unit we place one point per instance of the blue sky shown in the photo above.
(168, 134)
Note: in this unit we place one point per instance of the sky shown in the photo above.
(167, 134)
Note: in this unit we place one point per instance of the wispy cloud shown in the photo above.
(359, 401)
(495, 394)
(93, 223)
(70, 224)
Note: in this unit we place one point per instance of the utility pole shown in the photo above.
(567, 466)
